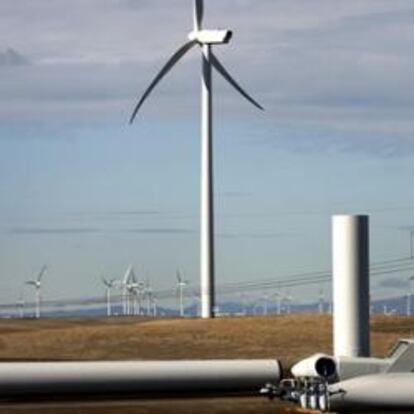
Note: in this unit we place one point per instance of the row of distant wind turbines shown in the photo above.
(139, 298)
(134, 293)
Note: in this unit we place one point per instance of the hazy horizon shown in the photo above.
(87, 194)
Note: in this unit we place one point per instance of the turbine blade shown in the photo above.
(126, 275)
(166, 68)
(42, 272)
(223, 72)
(132, 276)
(198, 14)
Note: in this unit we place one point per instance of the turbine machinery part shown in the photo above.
(198, 14)
(318, 365)
(211, 37)
(380, 393)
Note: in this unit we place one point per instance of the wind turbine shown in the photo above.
(205, 39)
(321, 304)
(196, 302)
(154, 305)
(265, 299)
(279, 297)
(135, 293)
(181, 285)
(288, 298)
(37, 284)
(20, 305)
(109, 285)
(127, 285)
(244, 299)
(148, 294)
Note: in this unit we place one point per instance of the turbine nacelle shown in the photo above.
(211, 37)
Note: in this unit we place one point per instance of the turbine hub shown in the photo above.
(211, 37)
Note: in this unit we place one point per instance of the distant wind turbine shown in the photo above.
(128, 285)
(37, 284)
(321, 306)
(205, 39)
(154, 306)
(196, 302)
(181, 285)
(265, 299)
(279, 297)
(149, 295)
(288, 298)
(109, 285)
(20, 305)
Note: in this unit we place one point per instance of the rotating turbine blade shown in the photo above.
(126, 275)
(132, 276)
(223, 72)
(42, 272)
(198, 14)
(166, 68)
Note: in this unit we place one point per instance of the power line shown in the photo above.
(293, 280)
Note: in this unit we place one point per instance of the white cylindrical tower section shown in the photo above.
(207, 199)
(350, 262)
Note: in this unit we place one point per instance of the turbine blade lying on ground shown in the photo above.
(220, 68)
(166, 68)
(198, 14)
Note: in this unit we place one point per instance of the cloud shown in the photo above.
(90, 230)
(10, 57)
(116, 214)
(333, 71)
(50, 231)
(163, 231)
(234, 194)
(253, 235)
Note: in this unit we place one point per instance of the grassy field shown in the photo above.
(288, 338)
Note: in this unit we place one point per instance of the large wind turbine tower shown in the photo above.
(205, 39)
(350, 262)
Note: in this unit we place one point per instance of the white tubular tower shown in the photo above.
(350, 262)
(207, 197)
(69, 381)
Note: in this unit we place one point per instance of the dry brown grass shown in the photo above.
(287, 338)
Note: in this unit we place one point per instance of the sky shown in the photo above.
(87, 194)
